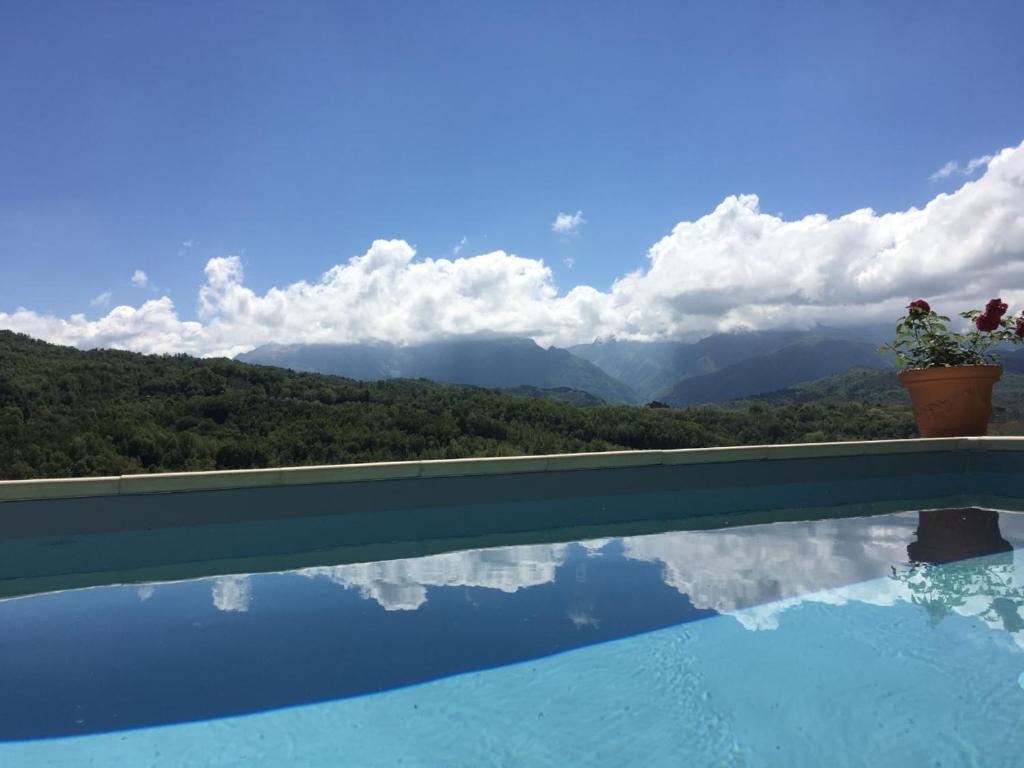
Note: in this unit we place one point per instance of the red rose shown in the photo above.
(996, 308)
(919, 307)
(986, 323)
(1020, 328)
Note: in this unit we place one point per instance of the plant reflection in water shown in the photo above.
(960, 562)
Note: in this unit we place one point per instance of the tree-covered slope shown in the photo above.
(882, 386)
(65, 412)
(575, 397)
(856, 384)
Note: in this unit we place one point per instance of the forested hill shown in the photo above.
(882, 387)
(65, 412)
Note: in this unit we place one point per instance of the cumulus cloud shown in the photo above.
(953, 167)
(730, 570)
(736, 267)
(758, 573)
(140, 278)
(402, 585)
(565, 223)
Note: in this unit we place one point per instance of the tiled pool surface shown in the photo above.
(652, 621)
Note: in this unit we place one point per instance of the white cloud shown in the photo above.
(459, 247)
(731, 569)
(232, 594)
(735, 267)
(566, 223)
(973, 165)
(187, 243)
(103, 300)
(140, 278)
(757, 573)
(569, 262)
(946, 171)
(978, 162)
(401, 585)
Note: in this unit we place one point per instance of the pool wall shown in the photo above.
(76, 532)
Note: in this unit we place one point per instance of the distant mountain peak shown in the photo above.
(499, 362)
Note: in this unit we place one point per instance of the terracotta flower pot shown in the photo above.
(954, 401)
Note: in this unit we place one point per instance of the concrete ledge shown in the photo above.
(17, 490)
(178, 482)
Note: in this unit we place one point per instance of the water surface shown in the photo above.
(887, 640)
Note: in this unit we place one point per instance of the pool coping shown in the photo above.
(179, 482)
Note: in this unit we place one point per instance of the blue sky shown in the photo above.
(156, 136)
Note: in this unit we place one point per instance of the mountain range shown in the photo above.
(715, 369)
(654, 368)
(495, 363)
(806, 359)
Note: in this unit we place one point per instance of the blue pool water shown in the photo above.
(890, 640)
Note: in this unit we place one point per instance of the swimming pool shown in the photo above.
(633, 638)
(803, 643)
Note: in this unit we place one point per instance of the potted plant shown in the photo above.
(950, 374)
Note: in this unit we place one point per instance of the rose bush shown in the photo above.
(924, 339)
